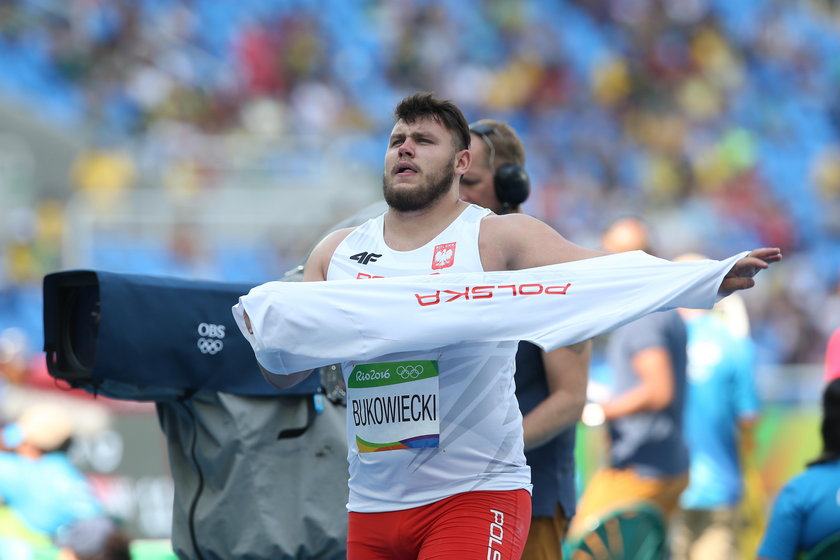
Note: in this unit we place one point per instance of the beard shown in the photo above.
(423, 195)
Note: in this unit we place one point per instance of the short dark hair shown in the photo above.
(445, 112)
(506, 143)
(830, 427)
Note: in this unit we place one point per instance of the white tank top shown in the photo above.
(422, 426)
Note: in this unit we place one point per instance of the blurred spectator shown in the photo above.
(39, 485)
(832, 357)
(648, 459)
(720, 414)
(717, 119)
(103, 174)
(13, 357)
(97, 538)
(807, 510)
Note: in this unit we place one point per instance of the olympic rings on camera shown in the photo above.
(210, 345)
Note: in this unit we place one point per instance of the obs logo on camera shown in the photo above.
(210, 341)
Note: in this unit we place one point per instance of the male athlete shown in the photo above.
(436, 460)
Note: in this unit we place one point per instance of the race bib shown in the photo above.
(394, 405)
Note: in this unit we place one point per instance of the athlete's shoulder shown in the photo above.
(319, 258)
(517, 241)
(511, 221)
(511, 234)
(335, 238)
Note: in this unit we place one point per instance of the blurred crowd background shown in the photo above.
(717, 121)
(217, 139)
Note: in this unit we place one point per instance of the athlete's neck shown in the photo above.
(406, 231)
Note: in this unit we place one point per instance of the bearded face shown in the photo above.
(421, 164)
(432, 187)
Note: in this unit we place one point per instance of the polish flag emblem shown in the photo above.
(444, 256)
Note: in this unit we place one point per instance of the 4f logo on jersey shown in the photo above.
(364, 257)
(444, 256)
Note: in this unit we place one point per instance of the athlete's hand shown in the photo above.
(740, 276)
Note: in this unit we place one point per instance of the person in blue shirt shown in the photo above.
(807, 510)
(647, 358)
(39, 485)
(721, 410)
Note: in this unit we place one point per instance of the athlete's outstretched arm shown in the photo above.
(315, 270)
(278, 381)
(517, 241)
(302, 325)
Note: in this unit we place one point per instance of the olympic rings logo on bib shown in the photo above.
(391, 373)
(410, 371)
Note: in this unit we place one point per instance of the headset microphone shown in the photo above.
(510, 181)
(512, 185)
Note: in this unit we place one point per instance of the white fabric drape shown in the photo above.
(302, 325)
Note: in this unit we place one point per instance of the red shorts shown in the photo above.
(485, 525)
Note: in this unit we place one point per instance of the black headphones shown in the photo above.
(510, 181)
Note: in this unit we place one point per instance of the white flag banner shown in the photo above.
(302, 325)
